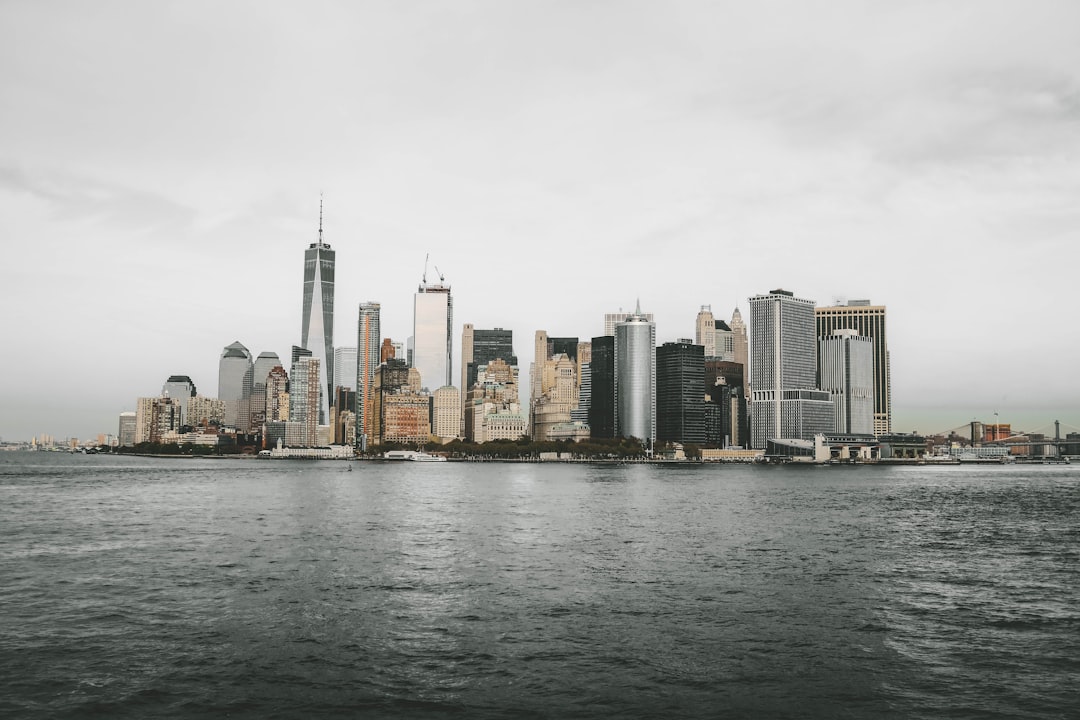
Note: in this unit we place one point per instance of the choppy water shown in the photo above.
(134, 587)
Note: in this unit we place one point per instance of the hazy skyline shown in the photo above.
(161, 165)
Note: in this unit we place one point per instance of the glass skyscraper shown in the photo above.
(635, 378)
(235, 371)
(433, 320)
(317, 333)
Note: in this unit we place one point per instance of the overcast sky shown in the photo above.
(161, 164)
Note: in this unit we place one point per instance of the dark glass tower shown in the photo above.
(602, 407)
(680, 393)
(317, 333)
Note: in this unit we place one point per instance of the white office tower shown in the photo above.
(785, 402)
(317, 332)
(433, 320)
(635, 377)
(847, 374)
(345, 369)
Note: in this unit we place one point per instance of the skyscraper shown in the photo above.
(680, 392)
(602, 387)
(305, 385)
(266, 362)
(704, 334)
(235, 372)
(785, 401)
(181, 389)
(433, 321)
(613, 319)
(847, 374)
(317, 333)
(345, 363)
(368, 357)
(741, 348)
(869, 321)
(635, 377)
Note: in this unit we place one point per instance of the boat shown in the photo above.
(414, 455)
(426, 457)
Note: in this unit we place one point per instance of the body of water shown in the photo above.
(141, 587)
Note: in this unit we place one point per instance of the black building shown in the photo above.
(724, 387)
(602, 407)
(680, 393)
(563, 345)
(488, 345)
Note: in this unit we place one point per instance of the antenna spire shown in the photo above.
(320, 217)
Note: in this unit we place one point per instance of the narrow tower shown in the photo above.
(317, 333)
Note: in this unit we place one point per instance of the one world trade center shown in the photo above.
(317, 334)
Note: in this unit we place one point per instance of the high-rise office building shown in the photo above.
(635, 377)
(580, 414)
(868, 321)
(602, 387)
(704, 334)
(433, 322)
(317, 331)
(345, 362)
(680, 392)
(277, 395)
(235, 373)
(305, 386)
(613, 319)
(266, 362)
(846, 367)
(126, 433)
(480, 346)
(741, 348)
(181, 389)
(369, 355)
(785, 402)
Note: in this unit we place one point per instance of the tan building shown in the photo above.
(446, 413)
(492, 411)
(559, 398)
(406, 418)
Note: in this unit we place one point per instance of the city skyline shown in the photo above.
(692, 157)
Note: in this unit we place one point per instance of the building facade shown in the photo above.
(868, 321)
(785, 402)
(680, 392)
(305, 389)
(433, 322)
(635, 378)
(235, 374)
(446, 413)
(317, 328)
(846, 368)
(370, 350)
(181, 389)
(602, 387)
(345, 362)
